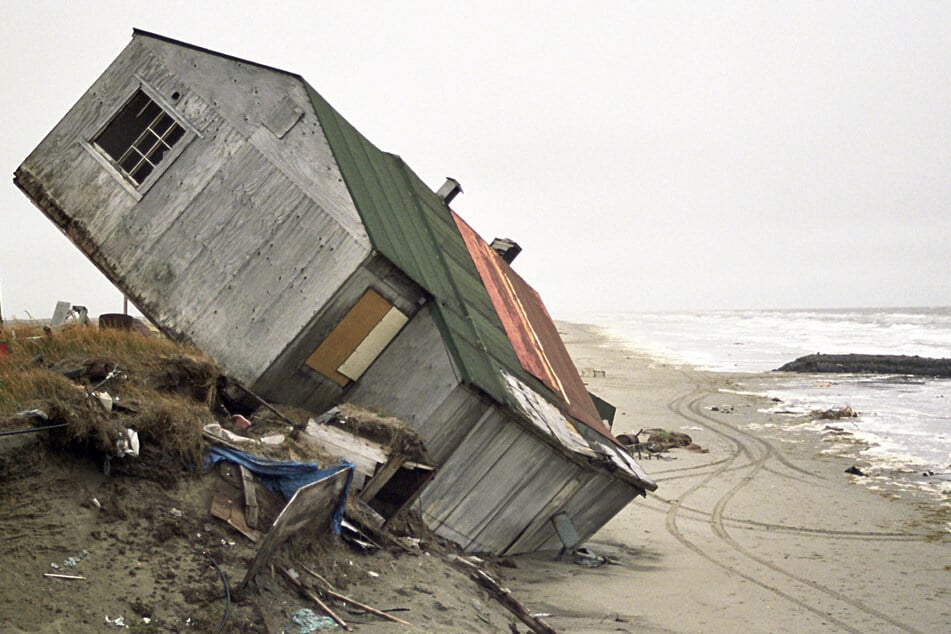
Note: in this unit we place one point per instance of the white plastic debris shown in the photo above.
(273, 439)
(216, 430)
(128, 445)
(105, 399)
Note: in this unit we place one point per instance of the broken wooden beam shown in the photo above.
(382, 476)
(250, 499)
(313, 597)
(329, 591)
(504, 596)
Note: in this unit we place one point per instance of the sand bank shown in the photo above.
(764, 533)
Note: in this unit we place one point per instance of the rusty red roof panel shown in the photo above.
(530, 329)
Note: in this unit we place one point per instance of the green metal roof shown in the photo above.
(412, 227)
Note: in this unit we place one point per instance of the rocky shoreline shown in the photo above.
(869, 364)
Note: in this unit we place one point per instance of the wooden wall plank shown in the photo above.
(540, 529)
(516, 465)
(413, 396)
(247, 95)
(451, 421)
(515, 512)
(289, 378)
(464, 470)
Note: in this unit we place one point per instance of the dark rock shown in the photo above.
(870, 363)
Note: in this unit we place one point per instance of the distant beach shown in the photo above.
(766, 532)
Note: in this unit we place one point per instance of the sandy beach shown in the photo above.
(763, 533)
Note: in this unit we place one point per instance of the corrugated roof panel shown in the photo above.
(531, 331)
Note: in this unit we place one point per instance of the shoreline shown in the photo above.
(764, 533)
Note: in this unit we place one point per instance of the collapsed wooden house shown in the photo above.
(241, 213)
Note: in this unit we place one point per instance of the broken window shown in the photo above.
(139, 137)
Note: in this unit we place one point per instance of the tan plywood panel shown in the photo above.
(371, 347)
(348, 335)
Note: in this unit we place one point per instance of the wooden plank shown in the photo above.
(365, 455)
(471, 461)
(312, 503)
(489, 513)
(374, 343)
(419, 345)
(246, 94)
(306, 158)
(446, 427)
(598, 503)
(230, 512)
(517, 511)
(288, 378)
(539, 529)
(347, 336)
(292, 279)
(250, 499)
(382, 476)
(313, 597)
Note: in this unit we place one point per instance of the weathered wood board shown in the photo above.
(312, 504)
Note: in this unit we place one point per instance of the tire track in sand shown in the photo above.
(755, 452)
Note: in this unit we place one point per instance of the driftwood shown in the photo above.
(238, 384)
(329, 591)
(313, 597)
(504, 596)
(382, 476)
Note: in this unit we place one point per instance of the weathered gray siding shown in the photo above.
(415, 380)
(589, 507)
(290, 380)
(245, 236)
(500, 483)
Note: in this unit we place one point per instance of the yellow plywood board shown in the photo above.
(374, 343)
(348, 335)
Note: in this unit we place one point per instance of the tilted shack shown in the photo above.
(242, 213)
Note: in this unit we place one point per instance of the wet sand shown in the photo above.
(764, 533)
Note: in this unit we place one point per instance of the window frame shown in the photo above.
(112, 167)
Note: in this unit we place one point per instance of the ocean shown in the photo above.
(904, 422)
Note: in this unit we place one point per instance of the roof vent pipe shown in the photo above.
(507, 249)
(449, 190)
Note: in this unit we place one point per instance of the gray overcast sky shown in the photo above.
(647, 156)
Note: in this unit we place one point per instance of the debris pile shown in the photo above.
(658, 441)
(834, 413)
(113, 503)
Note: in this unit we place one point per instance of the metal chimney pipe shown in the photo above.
(449, 190)
(507, 249)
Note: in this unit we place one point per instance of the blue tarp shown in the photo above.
(284, 477)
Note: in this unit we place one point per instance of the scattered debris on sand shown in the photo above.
(658, 441)
(132, 499)
(834, 413)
